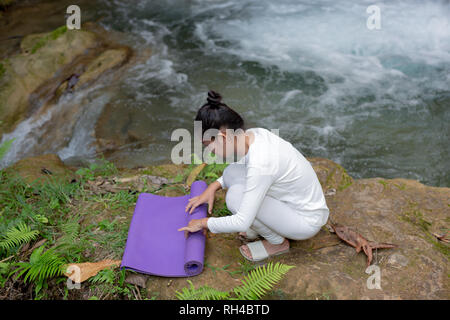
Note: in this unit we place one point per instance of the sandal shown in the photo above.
(259, 252)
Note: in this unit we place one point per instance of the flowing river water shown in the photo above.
(375, 101)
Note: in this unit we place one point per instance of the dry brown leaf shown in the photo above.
(127, 179)
(25, 247)
(357, 241)
(88, 269)
(442, 237)
(194, 173)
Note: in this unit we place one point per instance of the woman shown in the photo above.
(273, 191)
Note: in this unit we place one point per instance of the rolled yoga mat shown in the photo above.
(155, 246)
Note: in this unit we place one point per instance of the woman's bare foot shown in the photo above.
(270, 248)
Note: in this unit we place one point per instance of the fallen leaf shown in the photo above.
(194, 173)
(357, 241)
(442, 237)
(25, 247)
(80, 272)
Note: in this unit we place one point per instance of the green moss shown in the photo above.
(400, 186)
(353, 268)
(55, 34)
(330, 177)
(384, 183)
(346, 181)
(415, 217)
(58, 32)
(441, 247)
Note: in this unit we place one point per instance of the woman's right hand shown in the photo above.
(206, 197)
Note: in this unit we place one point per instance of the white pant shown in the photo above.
(275, 220)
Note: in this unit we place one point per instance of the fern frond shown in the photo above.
(17, 235)
(202, 293)
(41, 266)
(261, 280)
(70, 232)
(104, 276)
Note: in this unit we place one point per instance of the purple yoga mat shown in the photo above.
(154, 244)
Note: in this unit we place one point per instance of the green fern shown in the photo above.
(41, 266)
(104, 276)
(253, 287)
(261, 280)
(202, 293)
(70, 231)
(17, 235)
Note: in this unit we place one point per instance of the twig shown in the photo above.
(6, 259)
(138, 292)
(135, 295)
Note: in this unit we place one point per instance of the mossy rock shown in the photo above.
(331, 175)
(41, 57)
(31, 169)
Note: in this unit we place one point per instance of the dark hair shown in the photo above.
(215, 114)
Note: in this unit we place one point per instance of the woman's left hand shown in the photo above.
(194, 226)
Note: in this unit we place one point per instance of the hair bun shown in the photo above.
(214, 98)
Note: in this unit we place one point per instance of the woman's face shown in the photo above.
(227, 144)
(217, 144)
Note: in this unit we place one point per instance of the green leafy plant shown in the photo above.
(102, 168)
(260, 280)
(16, 236)
(4, 271)
(257, 283)
(221, 212)
(42, 265)
(104, 276)
(111, 282)
(202, 293)
(211, 172)
(246, 266)
(70, 231)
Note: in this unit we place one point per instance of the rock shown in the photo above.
(397, 260)
(107, 60)
(137, 279)
(41, 57)
(332, 176)
(49, 65)
(30, 169)
(400, 211)
(118, 126)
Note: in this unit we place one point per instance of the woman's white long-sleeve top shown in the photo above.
(275, 168)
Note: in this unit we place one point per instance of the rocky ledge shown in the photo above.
(400, 211)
